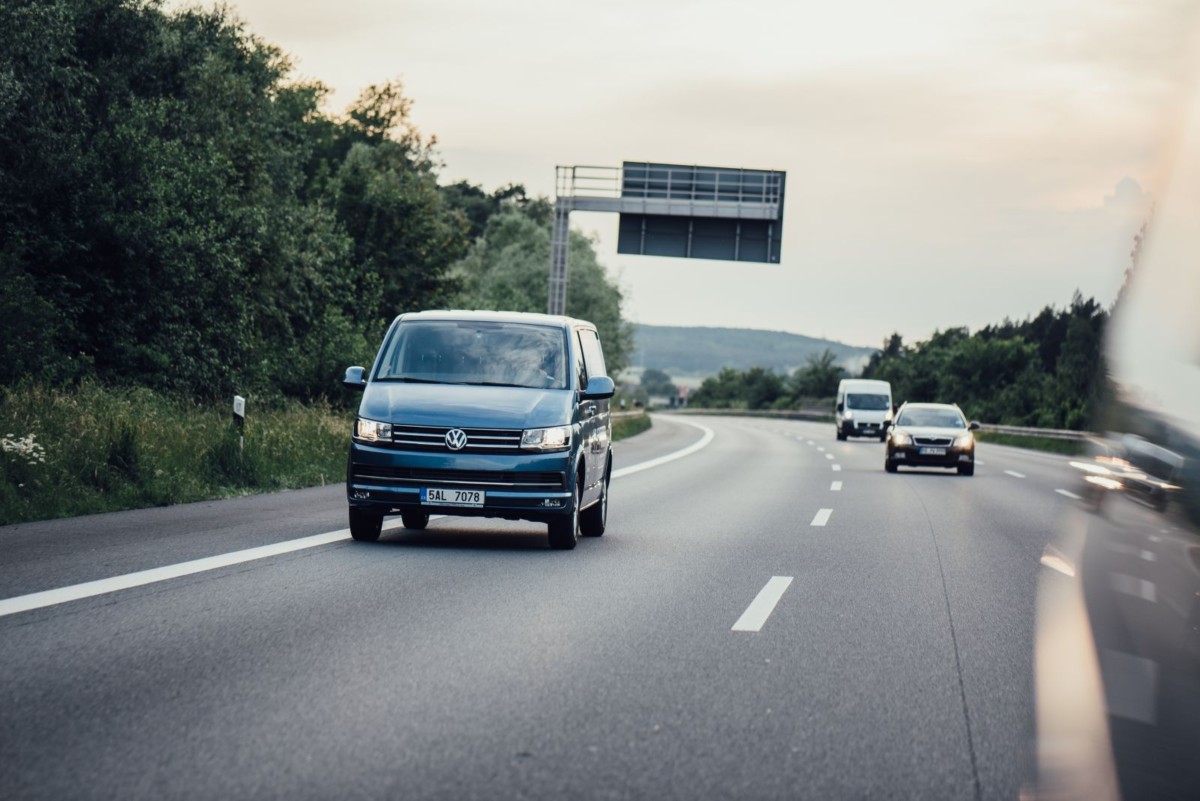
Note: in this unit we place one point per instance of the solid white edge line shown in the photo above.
(670, 457)
(90, 589)
(763, 605)
(822, 517)
(1068, 494)
(1015, 474)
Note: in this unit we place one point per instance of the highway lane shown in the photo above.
(470, 662)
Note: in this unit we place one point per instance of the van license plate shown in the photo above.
(452, 497)
(933, 451)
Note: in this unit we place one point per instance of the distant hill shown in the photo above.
(704, 351)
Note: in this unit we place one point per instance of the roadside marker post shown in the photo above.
(239, 420)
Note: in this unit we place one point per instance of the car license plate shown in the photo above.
(452, 497)
(933, 451)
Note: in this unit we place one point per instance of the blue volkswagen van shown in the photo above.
(488, 414)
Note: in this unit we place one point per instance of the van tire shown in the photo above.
(563, 531)
(365, 526)
(593, 519)
(415, 520)
(841, 435)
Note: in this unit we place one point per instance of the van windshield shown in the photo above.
(868, 403)
(471, 352)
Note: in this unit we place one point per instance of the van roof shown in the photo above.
(864, 383)
(496, 317)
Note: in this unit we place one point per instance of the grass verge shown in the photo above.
(623, 427)
(1068, 447)
(94, 449)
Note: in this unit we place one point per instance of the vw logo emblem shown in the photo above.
(456, 439)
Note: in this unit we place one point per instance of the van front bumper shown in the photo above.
(524, 486)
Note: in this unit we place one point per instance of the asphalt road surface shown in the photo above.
(770, 615)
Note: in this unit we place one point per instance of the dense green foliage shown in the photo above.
(761, 388)
(177, 213)
(1047, 371)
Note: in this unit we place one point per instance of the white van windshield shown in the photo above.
(868, 403)
(471, 352)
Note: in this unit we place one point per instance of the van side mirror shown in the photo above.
(841, 407)
(354, 378)
(973, 426)
(599, 388)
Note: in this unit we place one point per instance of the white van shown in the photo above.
(864, 408)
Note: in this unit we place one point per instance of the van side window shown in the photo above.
(580, 369)
(593, 355)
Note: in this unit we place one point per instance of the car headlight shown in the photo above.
(965, 441)
(900, 438)
(372, 430)
(546, 439)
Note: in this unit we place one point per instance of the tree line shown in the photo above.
(1047, 371)
(178, 212)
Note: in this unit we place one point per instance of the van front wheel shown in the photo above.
(365, 526)
(564, 530)
(593, 519)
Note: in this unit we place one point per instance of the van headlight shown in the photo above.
(372, 430)
(546, 439)
(849, 415)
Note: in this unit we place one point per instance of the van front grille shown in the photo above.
(479, 440)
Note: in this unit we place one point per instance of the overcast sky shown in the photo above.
(949, 162)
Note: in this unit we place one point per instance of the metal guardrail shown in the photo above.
(820, 414)
(626, 415)
(1043, 433)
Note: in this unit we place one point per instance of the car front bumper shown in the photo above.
(525, 486)
(911, 455)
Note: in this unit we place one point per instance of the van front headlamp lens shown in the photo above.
(546, 439)
(372, 430)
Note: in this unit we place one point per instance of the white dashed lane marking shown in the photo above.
(1135, 587)
(822, 517)
(1067, 494)
(763, 605)
(837, 468)
(1015, 474)
(835, 486)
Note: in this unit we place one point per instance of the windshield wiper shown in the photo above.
(410, 379)
(499, 384)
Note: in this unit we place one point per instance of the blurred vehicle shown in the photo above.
(486, 414)
(1117, 650)
(1143, 471)
(931, 435)
(863, 408)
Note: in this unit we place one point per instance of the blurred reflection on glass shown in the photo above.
(1118, 635)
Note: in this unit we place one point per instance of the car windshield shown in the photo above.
(868, 403)
(931, 418)
(470, 352)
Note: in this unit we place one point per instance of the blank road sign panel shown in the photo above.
(699, 238)
(701, 212)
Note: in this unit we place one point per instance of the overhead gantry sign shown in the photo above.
(671, 210)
